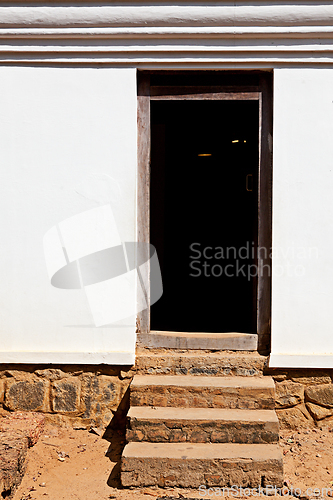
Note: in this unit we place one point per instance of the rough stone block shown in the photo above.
(27, 395)
(198, 436)
(219, 436)
(319, 412)
(279, 377)
(177, 436)
(288, 394)
(162, 401)
(312, 380)
(126, 373)
(157, 434)
(320, 394)
(51, 374)
(199, 402)
(67, 420)
(101, 396)
(294, 418)
(134, 435)
(66, 395)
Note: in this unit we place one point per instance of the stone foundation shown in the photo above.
(94, 395)
(303, 398)
(77, 395)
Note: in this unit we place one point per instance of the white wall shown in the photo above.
(62, 133)
(302, 298)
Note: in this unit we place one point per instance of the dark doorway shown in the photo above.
(204, 213)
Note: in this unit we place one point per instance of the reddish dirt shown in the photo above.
(308, 459)
(69, 464)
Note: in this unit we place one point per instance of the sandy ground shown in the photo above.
(69, 464)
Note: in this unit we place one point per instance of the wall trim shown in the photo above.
(172, 32)
(150, 35)
(152, 13)
(92, 358)
(300, 361)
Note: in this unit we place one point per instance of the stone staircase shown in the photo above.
(201, 418)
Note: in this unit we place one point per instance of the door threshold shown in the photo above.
(230, 341)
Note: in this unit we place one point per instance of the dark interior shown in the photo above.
(203, 191)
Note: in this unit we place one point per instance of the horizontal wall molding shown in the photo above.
(300, 361)
(93, 358)
(171, 33)
(154, 14)
(152, 35)
(152, 56)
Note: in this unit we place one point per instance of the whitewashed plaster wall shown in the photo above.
(61, 129)
(302, 286)
(49, 54)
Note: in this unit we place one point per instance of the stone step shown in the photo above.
(192, 465)
(234, 341)
(200, 362)
(202, 425)
(203, 392)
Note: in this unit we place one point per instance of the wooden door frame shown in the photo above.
(238, 85)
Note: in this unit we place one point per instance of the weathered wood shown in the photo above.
(265, 216)
(202, 93)
(232, 341)
(143, 186)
